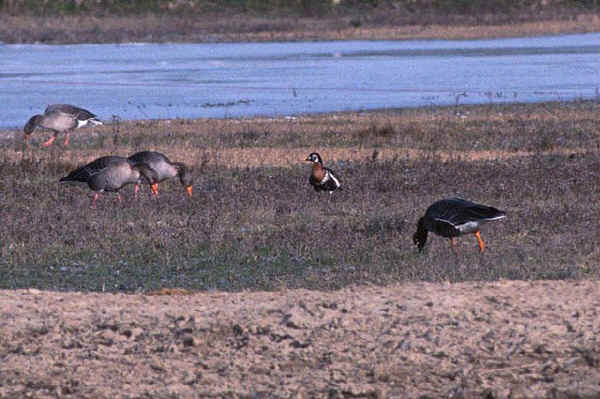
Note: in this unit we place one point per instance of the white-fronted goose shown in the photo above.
(60, 118)
(164, 169)
(322, 178)
(110, 173)
(454, 217)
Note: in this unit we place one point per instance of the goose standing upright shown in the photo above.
(164, 169)
(110, 173)
(60, 118)
(322, 178)
(454, 217)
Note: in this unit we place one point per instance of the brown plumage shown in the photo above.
(60, 118)
(164, 169)
(110, 173)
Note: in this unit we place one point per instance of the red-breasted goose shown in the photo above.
(322, 178)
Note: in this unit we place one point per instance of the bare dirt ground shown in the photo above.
(495, 340)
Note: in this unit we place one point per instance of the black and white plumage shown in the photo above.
(110, 173)
(322, 178)
(60, 118)
(454, 217)
(164, 169)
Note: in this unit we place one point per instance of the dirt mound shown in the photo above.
(498, 340)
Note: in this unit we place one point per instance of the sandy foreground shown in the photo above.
(495, 340)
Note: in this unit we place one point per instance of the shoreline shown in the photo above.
(365, 133)
(446, 109)
(82, 29)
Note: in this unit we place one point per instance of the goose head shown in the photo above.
(314, 158)
(31, 125)
(185, 177)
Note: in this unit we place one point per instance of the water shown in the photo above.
(143, 81)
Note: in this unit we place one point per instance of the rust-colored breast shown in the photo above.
(318, 172)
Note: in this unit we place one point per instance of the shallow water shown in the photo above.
(143, 81)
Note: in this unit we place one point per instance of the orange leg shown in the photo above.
(119, 198)
(50, 141)
(189, 190)
(480, 241)
(135, 191)
(453, 245)
(155, 189)
(94, 200)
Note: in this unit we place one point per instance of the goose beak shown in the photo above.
(308, 160)
(189, 190)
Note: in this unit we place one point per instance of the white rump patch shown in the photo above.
(91, 121)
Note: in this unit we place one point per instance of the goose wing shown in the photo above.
(94, 168)
(330, 181)
(148, 157)
(457, 211)
(76, 112)
(455, 216)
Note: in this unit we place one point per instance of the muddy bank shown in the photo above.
(85, 28)
(502, 339)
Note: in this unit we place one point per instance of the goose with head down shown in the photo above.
(110, 173)
(164, 169)
(60, 118)
(454, 217)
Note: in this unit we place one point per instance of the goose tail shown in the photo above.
(95, 121)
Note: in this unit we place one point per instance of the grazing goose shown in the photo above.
(110, 173)
(164, 169)
(454, 217)
(60, 118)
(322, 178)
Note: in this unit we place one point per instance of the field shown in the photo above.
(254, 225)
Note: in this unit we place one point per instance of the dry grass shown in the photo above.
(256, 224)
(235, 28)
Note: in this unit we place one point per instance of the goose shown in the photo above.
(60, 118)
(164, 169)
(322, 178)
(110, 173)
(454, 217)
